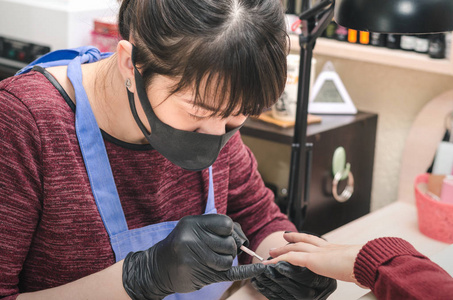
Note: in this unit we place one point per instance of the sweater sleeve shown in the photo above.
(20, 189)
(393, 269)
(250, 203)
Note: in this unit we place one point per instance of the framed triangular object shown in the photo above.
(328, 95)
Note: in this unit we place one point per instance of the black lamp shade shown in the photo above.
(395, 16)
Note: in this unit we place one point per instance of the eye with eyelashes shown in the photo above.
(199, 113)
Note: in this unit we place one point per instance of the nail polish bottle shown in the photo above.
(378, 39)
(352, 35)
(437, 45)
(364, 37)
(421, 43)
(393, 41)
(341, 33)
(330, 30)
(408, 42)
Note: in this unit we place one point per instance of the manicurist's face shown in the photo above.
(178, 110)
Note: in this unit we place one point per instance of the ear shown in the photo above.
(125, 66)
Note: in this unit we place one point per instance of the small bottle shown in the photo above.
(408, 42)
(437, 45)
(364, 37)
(352, 35)
(421, 43)
(393, 41)
(341, 33)
(330, 30)
(447, 45)
(378, 39)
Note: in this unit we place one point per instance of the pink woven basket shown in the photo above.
(435, 218)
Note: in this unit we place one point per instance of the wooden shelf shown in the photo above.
(378, 55)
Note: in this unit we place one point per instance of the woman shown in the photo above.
(125, 176)
(391, 267)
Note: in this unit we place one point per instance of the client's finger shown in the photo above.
(296, 237)
(296, 258)
(297, 247)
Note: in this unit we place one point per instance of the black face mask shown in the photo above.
(189, 150)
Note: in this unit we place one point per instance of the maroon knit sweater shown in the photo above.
(51, 232)
(394, 270)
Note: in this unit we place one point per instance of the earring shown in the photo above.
(128, 83)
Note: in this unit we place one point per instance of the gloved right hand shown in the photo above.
(199, 251)
(284, 281)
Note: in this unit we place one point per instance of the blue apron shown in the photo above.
(101, 178)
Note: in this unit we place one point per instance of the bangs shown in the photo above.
(234, 78)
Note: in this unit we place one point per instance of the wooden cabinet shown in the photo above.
(357, 135)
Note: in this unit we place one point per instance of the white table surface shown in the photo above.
(398, 219)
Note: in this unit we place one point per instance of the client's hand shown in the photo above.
(318, 255)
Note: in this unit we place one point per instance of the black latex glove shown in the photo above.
(239, 237)
(286, 281)
(199, 251)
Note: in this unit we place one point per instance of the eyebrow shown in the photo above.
(202, 105)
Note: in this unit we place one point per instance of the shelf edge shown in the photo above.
(383, 56)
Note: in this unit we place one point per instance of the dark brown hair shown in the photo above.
(238, 46)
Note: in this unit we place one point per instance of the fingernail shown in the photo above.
(272, 249)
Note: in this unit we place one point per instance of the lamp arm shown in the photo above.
(322, 24)
(315, 10)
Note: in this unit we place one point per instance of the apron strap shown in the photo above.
(95, 155)
(64, 56)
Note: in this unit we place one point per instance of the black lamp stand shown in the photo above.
(314, 21)
(384, 16)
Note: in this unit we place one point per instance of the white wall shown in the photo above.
(56, 23)
(395, 94)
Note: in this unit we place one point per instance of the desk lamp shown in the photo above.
(382, 16)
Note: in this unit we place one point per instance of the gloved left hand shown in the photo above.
(286, 281)
(199, 251)
(239, 237)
